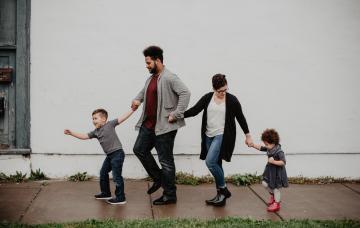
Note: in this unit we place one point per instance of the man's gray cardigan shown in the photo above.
(172, 97)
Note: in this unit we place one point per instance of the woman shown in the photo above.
(218, 132)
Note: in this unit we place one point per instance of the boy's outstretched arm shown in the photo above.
(125, 116)
(76, 135)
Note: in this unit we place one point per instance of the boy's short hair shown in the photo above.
(102, 112)
(154, 52)
(270, 136)
(218, 81)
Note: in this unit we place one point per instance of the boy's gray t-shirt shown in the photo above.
(107, 136)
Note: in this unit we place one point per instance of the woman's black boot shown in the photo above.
(220, 201)
(211, 201)
(223, 194)
(225, 191)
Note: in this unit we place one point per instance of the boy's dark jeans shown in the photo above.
(113, 161)
(164, 145)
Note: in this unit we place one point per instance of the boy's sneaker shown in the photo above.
(102, 196)
(115, 201)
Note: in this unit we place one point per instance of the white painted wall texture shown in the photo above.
(294, 65)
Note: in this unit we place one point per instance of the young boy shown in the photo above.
(274, 176)
(109, 141)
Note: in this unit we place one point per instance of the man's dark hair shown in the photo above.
(102, 112)
(154, 52)
(218, 81)
(270, 136)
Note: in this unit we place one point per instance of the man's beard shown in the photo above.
(153, 70)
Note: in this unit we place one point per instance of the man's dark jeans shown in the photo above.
(164, 145)
(113, 161)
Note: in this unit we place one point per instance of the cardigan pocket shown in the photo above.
(167, 112)
(168, 109)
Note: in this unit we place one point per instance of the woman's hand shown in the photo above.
(248, 141)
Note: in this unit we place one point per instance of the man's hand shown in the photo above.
(171, 119)
(135, 104)
(67, 132)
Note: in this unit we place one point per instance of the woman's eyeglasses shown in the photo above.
(222, 90)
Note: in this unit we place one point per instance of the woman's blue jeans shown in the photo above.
(213, 146)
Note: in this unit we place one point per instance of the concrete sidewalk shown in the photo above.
(64, 201)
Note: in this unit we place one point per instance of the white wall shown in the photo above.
(294, 65)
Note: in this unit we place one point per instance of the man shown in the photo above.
(165, 99)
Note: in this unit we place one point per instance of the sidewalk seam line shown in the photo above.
(151, 206)
(28, 207)
(351, 188)
(282, 219)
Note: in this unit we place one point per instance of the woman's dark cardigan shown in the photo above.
(232, 110)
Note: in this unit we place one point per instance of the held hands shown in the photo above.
(135, 105)
(251, 145)
(248, 141)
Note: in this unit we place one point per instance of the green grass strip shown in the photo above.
(166, 223)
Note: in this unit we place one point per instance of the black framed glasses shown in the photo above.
(222, 90)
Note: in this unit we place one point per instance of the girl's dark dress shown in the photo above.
(275, 176)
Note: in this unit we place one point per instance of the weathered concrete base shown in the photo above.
(9, 164)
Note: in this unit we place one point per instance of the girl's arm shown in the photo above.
(198, 107)
(125, 116)
(256, 146)
(259, 147)
(76, 135)
(278, 163)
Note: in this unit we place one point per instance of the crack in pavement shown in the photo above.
(354, 190)
(27, 208)
(151, 205)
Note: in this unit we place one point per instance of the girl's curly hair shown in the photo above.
(270, 136)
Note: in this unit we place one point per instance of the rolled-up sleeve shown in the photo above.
(140, 95)
(91, 134)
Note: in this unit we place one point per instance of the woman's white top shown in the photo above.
(215, 118)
